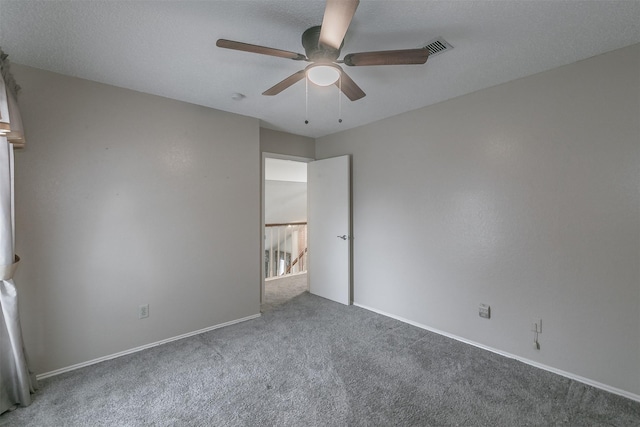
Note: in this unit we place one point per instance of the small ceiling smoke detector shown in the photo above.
(437, 46)
(238, 96)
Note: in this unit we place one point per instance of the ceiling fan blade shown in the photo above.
(246, 47)
(336, 20)
(350, 88)
(387, 57)
(289, 81)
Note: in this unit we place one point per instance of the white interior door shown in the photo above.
(329, 228)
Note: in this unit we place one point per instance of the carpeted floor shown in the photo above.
(312, 362)
(282, 289)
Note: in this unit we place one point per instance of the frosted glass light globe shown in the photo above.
(323, 74)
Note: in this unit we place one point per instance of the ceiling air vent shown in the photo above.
(438, 46)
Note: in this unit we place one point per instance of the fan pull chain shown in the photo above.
(340, 99)
(306, 101)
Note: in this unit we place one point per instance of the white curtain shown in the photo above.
(16, 382)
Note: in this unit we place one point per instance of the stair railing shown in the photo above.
(285, 247)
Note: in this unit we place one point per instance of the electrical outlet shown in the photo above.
(143, 311)
(484, 311)
(536, 326)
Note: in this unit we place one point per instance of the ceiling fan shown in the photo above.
(322, 46)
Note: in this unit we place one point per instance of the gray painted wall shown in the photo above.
(276, 142)
(124, 199)
(523, 196)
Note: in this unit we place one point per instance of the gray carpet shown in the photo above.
(282, 289)
(312, 362)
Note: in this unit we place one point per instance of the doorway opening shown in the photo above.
(284, 229)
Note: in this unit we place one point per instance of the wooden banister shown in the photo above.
(304, 251)
(286, 223)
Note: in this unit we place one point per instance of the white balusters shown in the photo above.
(285, 249)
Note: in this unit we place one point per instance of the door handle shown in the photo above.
(344, 237)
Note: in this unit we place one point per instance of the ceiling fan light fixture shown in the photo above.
(323, 74)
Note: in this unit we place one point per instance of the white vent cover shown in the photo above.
(438, 46)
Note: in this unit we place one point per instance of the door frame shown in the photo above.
(269, 155)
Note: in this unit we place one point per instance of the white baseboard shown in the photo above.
(569, 375)
(143, 347)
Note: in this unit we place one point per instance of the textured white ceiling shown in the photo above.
(168, 48)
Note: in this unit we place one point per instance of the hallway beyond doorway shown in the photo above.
(279, 290)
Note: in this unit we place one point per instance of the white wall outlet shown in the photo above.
(143, 311)
(536, 326)
(484, 311)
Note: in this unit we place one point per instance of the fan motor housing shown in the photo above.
(314, 51)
